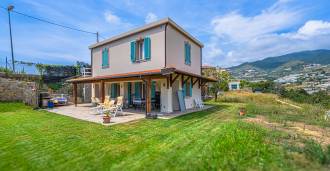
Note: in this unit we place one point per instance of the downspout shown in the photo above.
(165, 44)
(91, 62)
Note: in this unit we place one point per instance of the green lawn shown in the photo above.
(210, 140)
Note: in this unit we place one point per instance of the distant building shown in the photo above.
(234, 85)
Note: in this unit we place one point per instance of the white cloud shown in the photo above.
(111, 18)
(238, 28)
(151, 17)
(212, 49)
(315, 27)
(248, 38)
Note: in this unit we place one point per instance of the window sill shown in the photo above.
(105, 67)
(140, 61)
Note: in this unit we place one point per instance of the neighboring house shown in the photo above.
(234, 85)
(211, 72)
(150, 63)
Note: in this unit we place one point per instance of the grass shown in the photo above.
(215, 139)
(266, 105)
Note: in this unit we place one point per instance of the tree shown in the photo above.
(223, 78)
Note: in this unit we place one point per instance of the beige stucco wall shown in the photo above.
(119, 54)
(175, 52)
(196, 93)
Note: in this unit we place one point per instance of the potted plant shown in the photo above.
(242, 111)
(106, 117)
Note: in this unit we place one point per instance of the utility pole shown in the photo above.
(6, 64)
(10, 8)
(97, 37)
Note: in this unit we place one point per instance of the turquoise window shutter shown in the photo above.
(103, 54)
(190, 87)
(153, 89)
(189, 54)
(113, 95)
(137, 89)
(105, 57)
(184, 89)
(133, 51)
(185, 53)
(147, 48)
(129, 92)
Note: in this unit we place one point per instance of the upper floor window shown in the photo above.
(187, 53)
(141, 50)
(105, 57)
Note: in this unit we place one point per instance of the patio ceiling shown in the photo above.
(131, 76)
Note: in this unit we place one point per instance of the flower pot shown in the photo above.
(106, 119)
(242, 111)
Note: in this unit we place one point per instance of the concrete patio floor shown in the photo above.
(86, 113)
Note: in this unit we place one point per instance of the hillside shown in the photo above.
(278, 66)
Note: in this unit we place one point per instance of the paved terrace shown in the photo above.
(85, 112)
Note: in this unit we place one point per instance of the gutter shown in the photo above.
(165, 44)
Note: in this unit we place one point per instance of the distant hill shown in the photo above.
(321, 56)
(278, 66)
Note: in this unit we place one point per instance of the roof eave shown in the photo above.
(144, 28)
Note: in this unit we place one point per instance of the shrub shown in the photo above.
(315, 152)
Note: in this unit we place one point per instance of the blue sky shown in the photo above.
(233, 31)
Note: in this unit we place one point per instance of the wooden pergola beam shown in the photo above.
(185, 80)
(172, 80)
(75, 94)
(194, 82)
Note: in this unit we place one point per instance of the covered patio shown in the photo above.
(86, 113)
(149, 86)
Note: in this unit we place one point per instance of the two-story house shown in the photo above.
(151, 63)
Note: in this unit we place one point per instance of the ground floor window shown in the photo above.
(187, 89)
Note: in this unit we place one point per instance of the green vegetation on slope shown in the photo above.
(209, 140)
(267, 105)
(320, 56)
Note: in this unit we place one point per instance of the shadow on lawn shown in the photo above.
(202, 114)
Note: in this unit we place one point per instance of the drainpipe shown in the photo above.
(165, 44)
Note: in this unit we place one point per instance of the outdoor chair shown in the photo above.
(199, 103)
(106, 101)
(95, 101)
(118, 107)
(105, 107)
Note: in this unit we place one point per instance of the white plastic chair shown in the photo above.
(118, 107)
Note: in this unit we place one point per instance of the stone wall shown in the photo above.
(15, 90)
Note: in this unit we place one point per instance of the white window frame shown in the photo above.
(139, 56)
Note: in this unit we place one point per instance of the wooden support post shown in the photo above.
(102, 92)
(148, 96)
(168, 82)
(75, 94)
